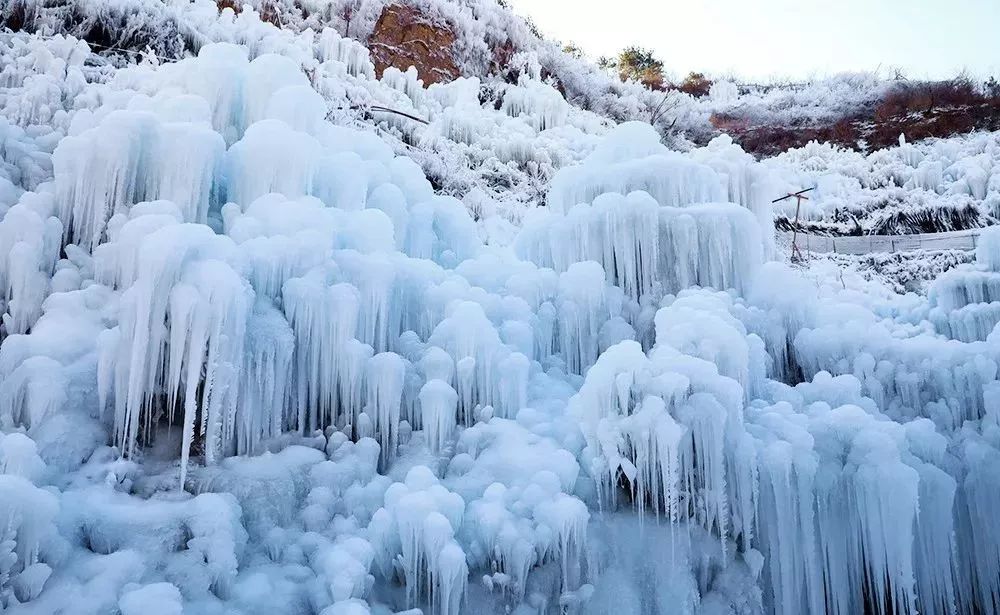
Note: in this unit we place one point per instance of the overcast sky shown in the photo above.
(789, 38)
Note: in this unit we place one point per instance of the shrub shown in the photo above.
(696, 84)
(637, 64)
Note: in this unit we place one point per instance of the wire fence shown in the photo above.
(868, 244)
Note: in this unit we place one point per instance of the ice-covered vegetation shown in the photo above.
(525, 108)
(254, 360)
(926, 187)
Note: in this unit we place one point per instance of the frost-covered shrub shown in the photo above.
(127, 26)
(932, 186)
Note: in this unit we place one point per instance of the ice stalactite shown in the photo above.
(979, 580)
(585, 303)
(271, 157)
(658, 423)
(30, 238)
(726, 252)
(620, 233)
(31, 392)
(934, 548)
(884, 493)
(349, 52)
(216, 76)
(566, 517)
(374, 277)
(265, 386)
(437, 364)
(633, 159)
(407, 82)
(298, 106)
(417, 525)
(541, 104)
(385, 378)
(700, 325)
(501, 543)
(439, 405)
(238, 91)
(944, 380)
(27, 516)
(208, 316)
(283, 239)
(324, 318)
(181, 331)
(825, 448)
(345, 565)
(19, 457)
(842, 480)
(487, 372)
(965, 302)
(644, 247)
(130, 157)
(459, 117)
(787, 472)
(748, 184)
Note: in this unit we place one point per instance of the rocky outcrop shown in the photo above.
(404, 36)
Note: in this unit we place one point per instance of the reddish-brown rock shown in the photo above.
(404, 36)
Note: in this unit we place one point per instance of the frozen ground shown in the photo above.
(253, 362)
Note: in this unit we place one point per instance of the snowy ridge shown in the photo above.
(253, 362)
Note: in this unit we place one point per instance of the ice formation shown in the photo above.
(966, 301)
(253, 362)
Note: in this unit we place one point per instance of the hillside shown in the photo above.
(507, 109)
(288, 329)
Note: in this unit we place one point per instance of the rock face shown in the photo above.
(404, 36)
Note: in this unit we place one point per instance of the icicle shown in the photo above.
(470, 338)
(584, 307)
(541, 105)
(182, 323)
(567, 517)
(640, 244)
(271, 157)
(385, 378)
(265, 389)
(324, 319)
(417, 526)
(438, 365)
(439, 404)
(633, 159)
(512, 393)
(352, 54)
(129, 158)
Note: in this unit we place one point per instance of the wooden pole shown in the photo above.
(799, 197)
(796, 255)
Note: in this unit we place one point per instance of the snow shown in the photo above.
(162, 598)
(931, 186)
(254, 361)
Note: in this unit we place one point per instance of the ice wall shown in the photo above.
(966, 301)
(633, 159)
(368, 407)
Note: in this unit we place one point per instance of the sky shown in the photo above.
(784, 38)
